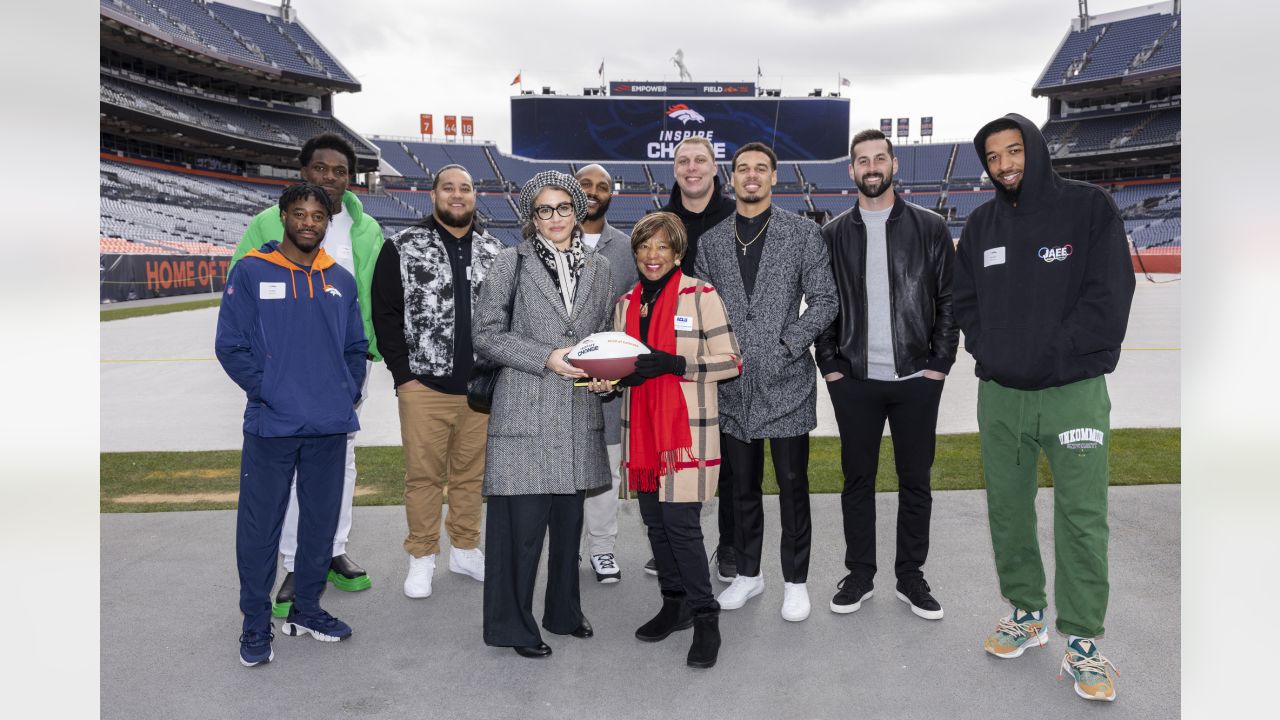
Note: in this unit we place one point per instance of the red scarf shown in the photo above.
(659, 434)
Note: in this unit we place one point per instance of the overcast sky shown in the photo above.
(961, 61)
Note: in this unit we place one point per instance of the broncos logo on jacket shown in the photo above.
(427, 278)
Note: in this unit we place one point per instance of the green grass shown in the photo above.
(1138, 457)
(123, 313)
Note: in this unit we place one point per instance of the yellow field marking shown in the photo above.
(211, 497)
(201, 474)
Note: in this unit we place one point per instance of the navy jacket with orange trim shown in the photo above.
(293, 339)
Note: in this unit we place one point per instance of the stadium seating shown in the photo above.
(276, 127)
(923, 164)
(833, 175)
(232, 31)
(1109, 50)
(397, 155)
(793, 203)
(625, 210)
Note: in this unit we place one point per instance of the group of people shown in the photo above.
(739, 306)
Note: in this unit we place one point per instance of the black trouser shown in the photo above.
(745, 461)
(515, 526)
(861, 407)
(725, 512)
(675, 535)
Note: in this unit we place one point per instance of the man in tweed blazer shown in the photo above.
(763, 262)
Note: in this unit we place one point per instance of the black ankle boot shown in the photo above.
(674, 615)
(706, 637)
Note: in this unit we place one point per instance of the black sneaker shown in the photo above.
(916, 594)
(346, 575)
(851, 593)
(651, 567)
(726, 563)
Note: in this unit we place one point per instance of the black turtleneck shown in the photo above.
(749, 262)
(649, 292)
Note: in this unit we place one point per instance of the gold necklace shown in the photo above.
(746, 245)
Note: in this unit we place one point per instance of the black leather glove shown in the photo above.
(653, 364)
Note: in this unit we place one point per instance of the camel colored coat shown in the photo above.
(711, 354)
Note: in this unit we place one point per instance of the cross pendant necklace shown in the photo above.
(746, 245)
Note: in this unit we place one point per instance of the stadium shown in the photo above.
(204, 106)
(203, 109)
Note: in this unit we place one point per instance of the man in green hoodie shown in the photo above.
(1042, 289)
(353, 240)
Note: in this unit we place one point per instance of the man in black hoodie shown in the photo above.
(699, 203)
(1042, 290)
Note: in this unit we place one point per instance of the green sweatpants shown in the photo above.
(1072, 424)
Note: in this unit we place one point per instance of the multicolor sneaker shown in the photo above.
(319, 624)
(1017, 632)
(255, 647)
(1091, 671)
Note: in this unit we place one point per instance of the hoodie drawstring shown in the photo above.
(323, 283)
(294, 281)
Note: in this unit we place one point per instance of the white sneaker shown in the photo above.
(795, 602)
(418, 583)
(742, 589)
(467, 562)
(606, 567)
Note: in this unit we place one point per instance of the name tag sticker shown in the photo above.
(994, 256)
(684, 323)
(270, 291)
(468, 272)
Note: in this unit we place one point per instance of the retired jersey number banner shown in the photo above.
(589, 128)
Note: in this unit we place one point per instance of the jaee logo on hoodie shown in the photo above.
(1052, 254)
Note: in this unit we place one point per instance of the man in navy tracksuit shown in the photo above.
(290, 335)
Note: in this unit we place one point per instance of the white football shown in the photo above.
(607, 355)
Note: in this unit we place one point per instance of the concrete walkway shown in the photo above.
(170, 625)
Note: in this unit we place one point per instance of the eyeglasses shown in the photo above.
(544, 211)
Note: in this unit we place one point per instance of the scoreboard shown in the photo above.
(560, 127)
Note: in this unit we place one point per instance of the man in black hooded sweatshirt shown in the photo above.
(1042, 289)
(699, 203)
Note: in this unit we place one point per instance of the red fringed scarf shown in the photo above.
(659, 437)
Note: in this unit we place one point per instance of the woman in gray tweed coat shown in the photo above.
(546, 436)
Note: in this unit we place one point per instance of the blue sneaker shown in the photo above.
(320, 624)
(255, 647)
(1090, 671)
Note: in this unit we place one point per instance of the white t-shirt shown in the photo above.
(337, 241)
(590, 240)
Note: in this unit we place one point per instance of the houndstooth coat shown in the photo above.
(777, 394)
(545, 435)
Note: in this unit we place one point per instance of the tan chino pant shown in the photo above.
(444, 442)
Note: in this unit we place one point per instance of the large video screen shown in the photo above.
(588, 128)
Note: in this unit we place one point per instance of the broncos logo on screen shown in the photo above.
(684, 114)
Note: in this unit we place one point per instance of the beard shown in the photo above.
(885, 184)
(602, 207)
(306, 246)
(455, 220)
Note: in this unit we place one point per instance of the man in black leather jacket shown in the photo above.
(886, 357)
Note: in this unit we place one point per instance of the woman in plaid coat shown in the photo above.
(670, 424)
